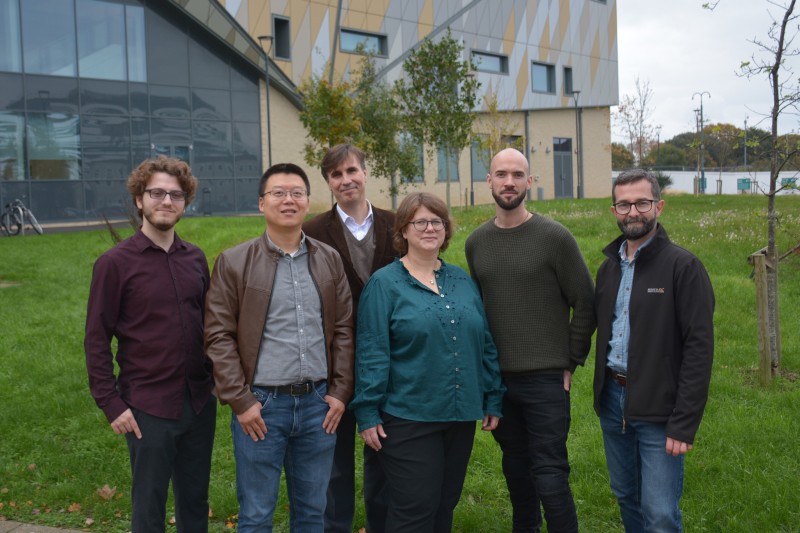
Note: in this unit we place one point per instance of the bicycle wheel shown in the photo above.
(35, 223)
(12, 220)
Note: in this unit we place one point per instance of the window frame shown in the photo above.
(550, 71)
(282, 42)
(382, 41)
(568, 82)
(482, 53)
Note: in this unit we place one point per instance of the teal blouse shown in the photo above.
(424, 356)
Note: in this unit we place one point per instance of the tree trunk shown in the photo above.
(773, 344)
(447, 174)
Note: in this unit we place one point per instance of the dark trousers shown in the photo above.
(425, 464)
(172, 449)
(342, 487)
(533, 437)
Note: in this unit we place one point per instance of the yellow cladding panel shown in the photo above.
(612, 31)
(354, 19)
(522, 79)
(359, 6)
(374, 22)
(511, 31)
(564, 15)
(544, 41)
(425, 23)
(595, 57)
(378, 7)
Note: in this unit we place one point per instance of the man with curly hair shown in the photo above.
(149, 292)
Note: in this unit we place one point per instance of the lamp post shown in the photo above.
(745, 141)
(268, 39)
(579, 143)
(658, 145)
(702, 188)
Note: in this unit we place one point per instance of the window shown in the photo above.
(562, 144)
(11, 57)
(543, 78)
(48, 31)
(442, 169)
(137, 55)
(12, 130)
(370, 43)
(101, 40)
(282, 40)
(480, 158)
(488, 62)
(568, 81)
(53, 146)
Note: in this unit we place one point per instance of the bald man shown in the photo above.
(539, 296)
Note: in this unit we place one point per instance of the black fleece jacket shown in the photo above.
(671, 335)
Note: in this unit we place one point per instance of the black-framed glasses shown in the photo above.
(642, 206)
(159, 194)
(280, 194)
(421, 224)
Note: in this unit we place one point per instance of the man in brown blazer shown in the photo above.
(362, 234)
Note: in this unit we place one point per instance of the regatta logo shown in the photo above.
(655, 290)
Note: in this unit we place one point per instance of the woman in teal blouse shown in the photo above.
(426, 370)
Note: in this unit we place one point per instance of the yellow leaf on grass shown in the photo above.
(74, 508)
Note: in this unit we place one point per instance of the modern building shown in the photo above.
(89, 88)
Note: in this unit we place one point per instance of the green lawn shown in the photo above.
(57, 450)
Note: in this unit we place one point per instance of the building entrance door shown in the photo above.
(562, 167)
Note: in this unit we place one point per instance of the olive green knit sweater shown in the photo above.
(538, 294)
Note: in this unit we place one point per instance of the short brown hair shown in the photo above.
(634, 175)
(137, 180)
(407, 210)
(338, 155)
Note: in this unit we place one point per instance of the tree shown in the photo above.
(664, 180)
(665, 156)
(497, 131)
(632, 118)
(722, 143)
(328, 116)
(621, 157)
(772, 62)
(438, 98)
(364, 113)
(379, 118)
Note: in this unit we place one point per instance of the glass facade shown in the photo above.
(90, 88)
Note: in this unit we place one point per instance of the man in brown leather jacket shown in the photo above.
(279, 329)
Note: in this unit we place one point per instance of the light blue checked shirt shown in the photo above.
(617, 359)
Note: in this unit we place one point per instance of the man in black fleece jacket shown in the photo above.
(655, 345)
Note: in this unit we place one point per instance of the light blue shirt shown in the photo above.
(359, 231)
(617, 359)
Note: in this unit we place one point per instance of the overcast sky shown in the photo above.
(682, 49)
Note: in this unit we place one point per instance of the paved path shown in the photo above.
(17, 527)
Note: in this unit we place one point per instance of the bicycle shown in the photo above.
(14, 217)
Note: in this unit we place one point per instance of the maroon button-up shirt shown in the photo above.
(152, 301)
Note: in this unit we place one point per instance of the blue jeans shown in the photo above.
(647, 481)
(533, 437)
(295, 442)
